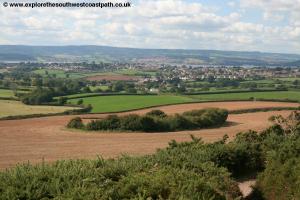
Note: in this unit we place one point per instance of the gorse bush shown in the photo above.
(158, 121)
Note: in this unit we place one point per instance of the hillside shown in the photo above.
(106, 53)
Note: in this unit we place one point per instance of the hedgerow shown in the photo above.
(158, 121)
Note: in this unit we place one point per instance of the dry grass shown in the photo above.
(35, 139)
(13, 108)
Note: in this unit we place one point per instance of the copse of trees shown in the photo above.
(45, 92)
(158, 121)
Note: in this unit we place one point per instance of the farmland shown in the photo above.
(117, 75)
(6, 93)
(113, 77)
(280, 95)
(117, 103)
(13, 108)
(61, 143)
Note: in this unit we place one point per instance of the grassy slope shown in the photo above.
(292, 95)
(13, 108)
(127, 102)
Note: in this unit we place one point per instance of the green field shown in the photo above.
(291, 95)
(6, 93)
(129, 102)
(101, 87)
(13, 108)
(63, 74)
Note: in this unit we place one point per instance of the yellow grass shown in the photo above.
(13, 108)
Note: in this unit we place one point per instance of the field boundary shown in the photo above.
(84, 112)
(237, 91)
(193, 102)
(106, 94)
(254, 110)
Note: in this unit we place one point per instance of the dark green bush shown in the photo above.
(158, 121)
(131, 122)
(76, 123)
(111, 122)
(156, 113)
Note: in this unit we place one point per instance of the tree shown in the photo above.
(80, 102)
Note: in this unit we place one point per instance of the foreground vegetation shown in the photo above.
(156, 121)
(188, 170)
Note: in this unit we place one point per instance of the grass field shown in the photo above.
(129, 102)
(13, 108)
(63, 74)
(6, 93)
(291, 95)
(102, 87)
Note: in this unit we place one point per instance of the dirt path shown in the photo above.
(46, 138)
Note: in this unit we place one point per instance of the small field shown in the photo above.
(290, 95)
(6, 93)
(64, 74)
(13, 108)
(118, 103)
(112, 78)
(122, 75)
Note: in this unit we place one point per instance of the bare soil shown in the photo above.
(47, 138)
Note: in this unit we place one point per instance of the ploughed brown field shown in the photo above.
(112, 78)
(47, 138)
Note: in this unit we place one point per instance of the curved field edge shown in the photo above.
(82, 111)
(11, 109)
(124, 103)
(22, 140)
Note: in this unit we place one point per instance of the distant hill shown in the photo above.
(91, 53)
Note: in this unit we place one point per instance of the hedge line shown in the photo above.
(238, 91)
(253, 110)
(108, 94)
(156, 121)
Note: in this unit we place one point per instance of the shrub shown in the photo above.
(148, 124)
(180, 122)
(131, 122)
(156, 113)
(158, 121)
(76, 123)
(80, 102)
(112, 122)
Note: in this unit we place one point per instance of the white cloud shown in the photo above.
(158, 24)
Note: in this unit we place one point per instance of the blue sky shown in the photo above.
(246, 25)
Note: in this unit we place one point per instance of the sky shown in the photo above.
(240, 25)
